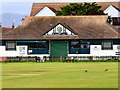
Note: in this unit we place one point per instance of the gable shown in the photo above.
(45, 12)
(36, 7)
(112, 11)
(59, 29)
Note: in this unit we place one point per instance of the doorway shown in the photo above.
(58, 49)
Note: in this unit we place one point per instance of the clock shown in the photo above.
(59, 30)
(118, 47)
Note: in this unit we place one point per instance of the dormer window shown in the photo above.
(10, 45)
(46, 11)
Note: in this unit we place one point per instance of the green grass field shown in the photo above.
(60, 75)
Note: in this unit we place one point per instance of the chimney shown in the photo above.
(13, 25)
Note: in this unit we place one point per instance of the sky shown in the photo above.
(16, 7)
(54, 0)
(21, 8)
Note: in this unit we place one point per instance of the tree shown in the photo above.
(80, 9)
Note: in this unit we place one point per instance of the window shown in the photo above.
(79, 47)
(0, 43)
(116, 21)
(85, 44)
(75, 44)
(107, 45)
(74, 47)
(10, 45)
(40, 47)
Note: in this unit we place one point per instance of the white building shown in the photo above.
(49, 35)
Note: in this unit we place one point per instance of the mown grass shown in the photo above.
(60, 75)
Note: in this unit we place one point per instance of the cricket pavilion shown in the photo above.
(62, 36)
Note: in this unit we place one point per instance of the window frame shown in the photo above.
(11, 49)
(38, 46)
(74, 45)
(85, 44)
(107, 48)
(73, 49)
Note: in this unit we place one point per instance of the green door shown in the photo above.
(58, 49)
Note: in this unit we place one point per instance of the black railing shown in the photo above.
(59, 59)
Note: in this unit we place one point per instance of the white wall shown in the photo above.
(18, 52)
(46, 12)
(111, 11)
(95, 50)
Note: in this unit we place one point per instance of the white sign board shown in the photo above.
(22, 50)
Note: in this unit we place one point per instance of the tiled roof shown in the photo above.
(36, 7)
(6, 29)
(86, 27)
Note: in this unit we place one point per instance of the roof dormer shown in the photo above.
(112, 11)
(46, 11)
